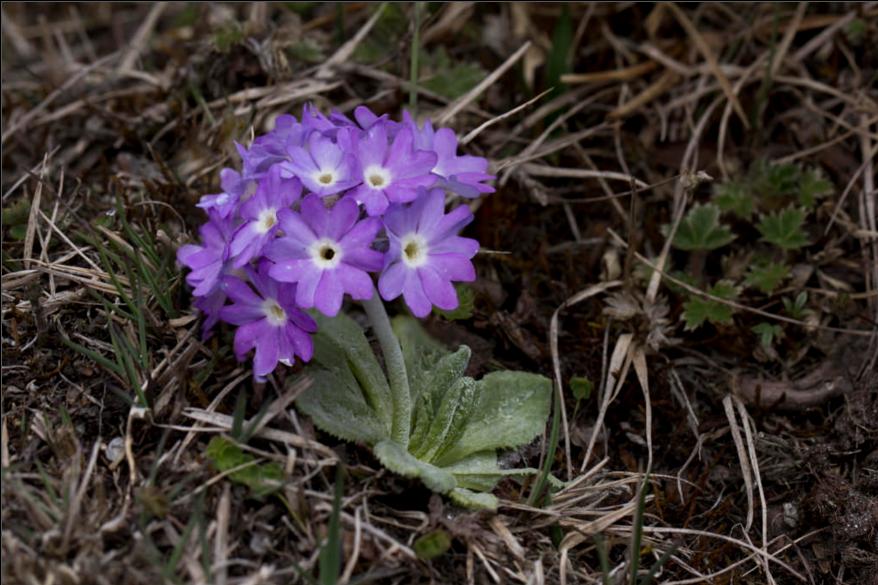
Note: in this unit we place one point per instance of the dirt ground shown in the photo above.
(733, 356)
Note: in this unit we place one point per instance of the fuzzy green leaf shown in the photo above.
(451, 417)
(395, 458)
(432, 545)
(346, 338)
(701, 229)
(767, 277)
(336, 404)
(480, 471)
(473, 500)
(261, 478)
(421, 352)
(698, 310)
(734, 197)
(784, 228)
(349, 397)
(510, 409)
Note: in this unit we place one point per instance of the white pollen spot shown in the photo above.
(267, 220)
(325, 178)
(414, 250)
(376, 177)
(274, 313)
(325, 253)
(222, 199)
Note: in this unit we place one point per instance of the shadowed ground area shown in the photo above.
(683, 238)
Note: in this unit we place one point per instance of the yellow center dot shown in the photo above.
(325, 179)
(376, 180)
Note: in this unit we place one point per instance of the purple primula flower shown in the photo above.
(391, 174)
(260, 214)
(211, 304)
(461, 174)
(426, 254)
(324, 168)
(327, 252)
(268, 321)
(234, 187)
(314, 120)
(365, 120)
(271, 148)
(207, 261)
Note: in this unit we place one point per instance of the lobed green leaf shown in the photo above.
(701, 229)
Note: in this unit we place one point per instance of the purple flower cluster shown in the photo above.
(319, 206)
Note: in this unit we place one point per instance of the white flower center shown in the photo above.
(267, 220)
(222, 199)
(414, 250)
(325, 253)
(274, 313)
(376, 177)
(325, 178)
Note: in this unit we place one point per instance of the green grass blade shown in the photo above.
(94, 356)
(603, 558)
(330, 554)
(238, 417)
(543, 478)
(637, 534)
(656, 567)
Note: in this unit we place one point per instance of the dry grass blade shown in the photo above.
(712, 62)
(344, 52)
(223, 421)
(221, 539)
(452, 110)
(484, 126)
(138, 43)
(624, 74)
(33, 216)
(743, 458)
(556, 359)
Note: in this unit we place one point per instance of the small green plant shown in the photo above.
(795, 308)
(262, 478)
(734, 197)
(450, 79)
(702, 230)
(768, 333)
(773, 200)
(144, 279)
(784, 228)
(766, 277)
(457, 423)
(698, 310)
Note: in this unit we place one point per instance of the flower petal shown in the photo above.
(415, 298)
(439, 290)
(392, 281)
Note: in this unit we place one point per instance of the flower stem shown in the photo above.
(393, 360)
